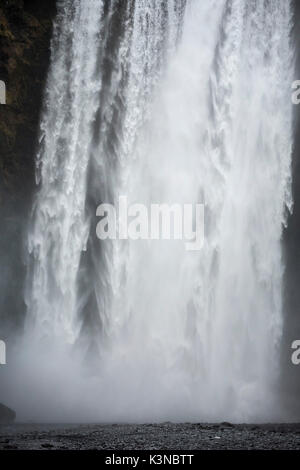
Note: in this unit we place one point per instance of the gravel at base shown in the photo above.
(150, 436)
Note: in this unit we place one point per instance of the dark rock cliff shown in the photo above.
(25, 31)
(25, 34)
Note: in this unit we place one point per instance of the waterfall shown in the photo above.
(165, 101)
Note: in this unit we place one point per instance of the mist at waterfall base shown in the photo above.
(165, 102)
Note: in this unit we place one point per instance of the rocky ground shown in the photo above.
(165, 436)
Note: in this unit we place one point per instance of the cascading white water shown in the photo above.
(76, 99)
(72, 100)
(166, 102)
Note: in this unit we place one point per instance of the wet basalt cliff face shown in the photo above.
(25, 32)
(25, 35)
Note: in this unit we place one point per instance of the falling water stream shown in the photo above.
(163, 101)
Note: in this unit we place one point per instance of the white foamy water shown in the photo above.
(165, 104)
